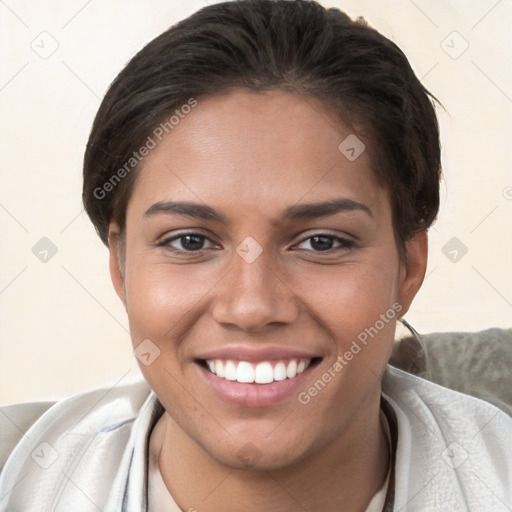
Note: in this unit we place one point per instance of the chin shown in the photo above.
(259, 454)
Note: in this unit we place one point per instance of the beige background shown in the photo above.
(63, 330)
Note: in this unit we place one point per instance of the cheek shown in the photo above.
(350, 298)
(161, 305)
(357, 307)
(165, 304)
(163, 301)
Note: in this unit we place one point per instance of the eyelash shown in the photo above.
(344, 243)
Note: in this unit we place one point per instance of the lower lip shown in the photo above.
(253, 395)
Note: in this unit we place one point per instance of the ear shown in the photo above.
(116, 261)
(413, 269)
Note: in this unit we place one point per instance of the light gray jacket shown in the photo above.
(90, 452)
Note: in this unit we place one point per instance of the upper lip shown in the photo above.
(245, 353)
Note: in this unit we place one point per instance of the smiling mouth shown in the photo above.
(263, 372)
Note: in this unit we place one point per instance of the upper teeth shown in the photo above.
(260, 373)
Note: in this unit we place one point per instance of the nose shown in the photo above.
(252, 296)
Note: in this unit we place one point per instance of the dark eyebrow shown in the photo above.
(200, 211)
(299, 211)
(314, 210)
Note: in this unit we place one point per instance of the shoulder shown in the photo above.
(445, 410)
(15, 420)
(85, 413)
(86, 448)
(453, 449)
(474, 363)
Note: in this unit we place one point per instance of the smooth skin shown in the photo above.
(250, 156)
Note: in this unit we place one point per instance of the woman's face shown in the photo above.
(286, 260)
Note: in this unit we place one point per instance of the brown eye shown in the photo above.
(319, 243)
(186, 242)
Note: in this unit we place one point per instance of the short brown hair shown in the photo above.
(261, 45)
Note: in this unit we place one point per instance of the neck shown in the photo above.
(344, 474)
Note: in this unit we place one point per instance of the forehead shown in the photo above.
(255, 149)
